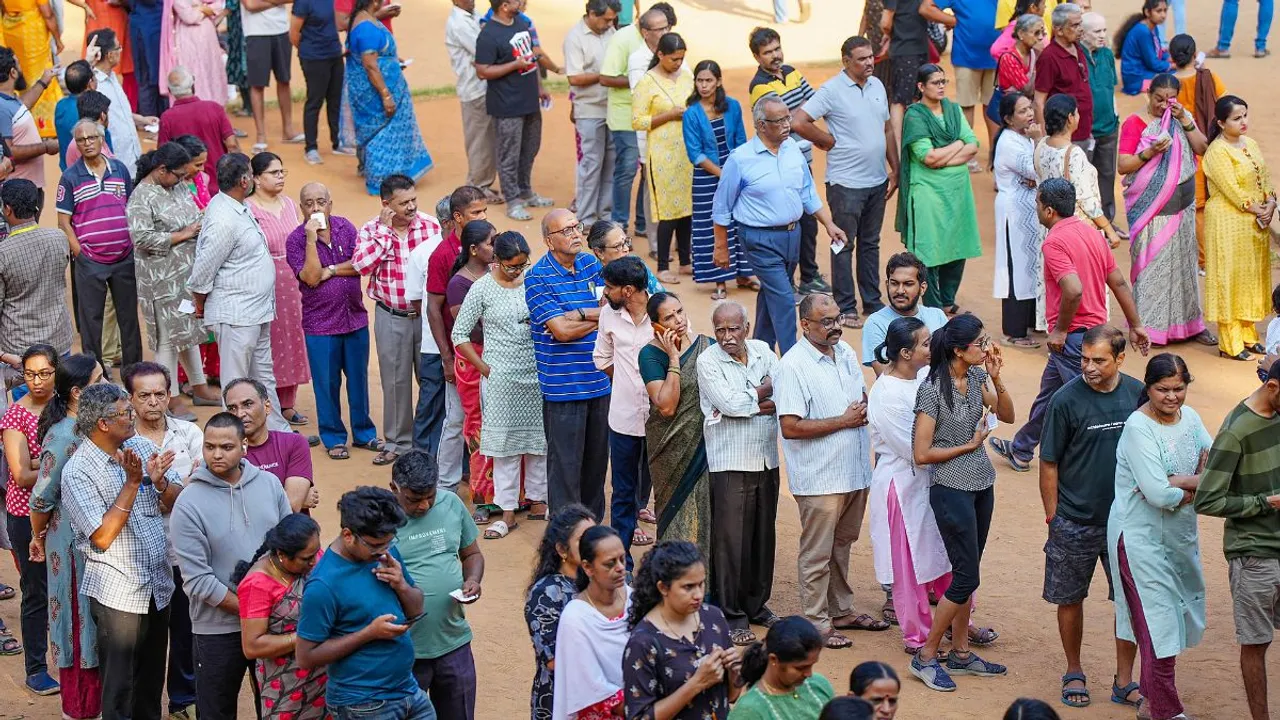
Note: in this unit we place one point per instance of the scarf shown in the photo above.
(919, 123)
(589, 650)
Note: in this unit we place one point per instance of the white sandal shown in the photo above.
(499, 529)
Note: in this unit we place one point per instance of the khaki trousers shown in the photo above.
(478, 135)
(829, 525)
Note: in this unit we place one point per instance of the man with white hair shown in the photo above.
(1062, 68)
(189, 115)
(1106, 123)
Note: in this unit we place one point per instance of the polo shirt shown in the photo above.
(98, 209)
(584, 53)
(319, 37)
(974, 33)
(855, 116)
(1102, 84)
(566, 370)
(760, 189)
(794, 90)
(1072, 247)
(1058, 72)
(616, 54)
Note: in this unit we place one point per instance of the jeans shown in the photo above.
(577, 453)
(626, 159)
(220, 670)
(1103, 157)
(331, 357)
(517, 144)
(1178, 14)
(410, 707)
(451, 682)
(859, 213)
(773, 254)
(131, 660)
(324, 87)
(428, 418)
(964, 519)
(630, 476)
(1227, 23)
(1058, 371)
(180, 680)
(34, 583)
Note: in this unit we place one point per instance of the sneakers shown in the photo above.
(817, 285)
(313, 157)
(42, 684)
(932, 674)
(344, 150)
(973, 665)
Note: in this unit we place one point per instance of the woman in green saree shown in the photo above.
(673, 433)
(936, 214)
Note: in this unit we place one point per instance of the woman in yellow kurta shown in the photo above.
(28, 26)
(657, 106)
(1241, 205)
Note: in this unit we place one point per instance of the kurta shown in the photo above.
(669, 171)
(1237, 283)
(511, 404)
(1018, 229)
(1053, 162)
(288, 345)
(941, 220)
(163, 268)
(26, 34)
(1161, 540)
(547, 599)
(190, 38)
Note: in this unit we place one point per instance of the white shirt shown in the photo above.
(124, 134)
(272, 21)
(738, 437)
(415, 287)
(460, 33)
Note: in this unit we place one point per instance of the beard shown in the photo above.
(616, 305)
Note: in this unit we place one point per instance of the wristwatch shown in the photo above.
(333, 269)
(582, 315)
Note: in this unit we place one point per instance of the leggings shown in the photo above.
(683, 229)
(964, 519)
(169, 357)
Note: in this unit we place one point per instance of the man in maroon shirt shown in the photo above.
(286, 455)
(189, 115)
(467, 203)
(1062, 69)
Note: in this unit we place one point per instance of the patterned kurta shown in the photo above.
(655, 665)
(1237, 258)
(670, 173)
(163, 268)
(288, 345)
(542, 609)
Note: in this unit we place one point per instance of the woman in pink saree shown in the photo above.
(189, 37)
(1158, 147)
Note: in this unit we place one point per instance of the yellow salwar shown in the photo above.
(669, 170)
(26, 34)
(1237, 288)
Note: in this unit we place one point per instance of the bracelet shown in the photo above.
(672, 370)
(1190, 127)
(126, 511)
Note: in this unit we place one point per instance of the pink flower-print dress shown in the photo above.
(289, 692)
(288, 345)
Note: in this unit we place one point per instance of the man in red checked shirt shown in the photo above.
(382, 252)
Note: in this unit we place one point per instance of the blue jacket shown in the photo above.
(700, 139)
(1141, 58)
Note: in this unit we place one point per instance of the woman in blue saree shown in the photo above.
(387, 136)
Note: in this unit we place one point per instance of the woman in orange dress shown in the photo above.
(28, 27)
(111, 14)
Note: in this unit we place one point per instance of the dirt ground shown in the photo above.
(1010, 594)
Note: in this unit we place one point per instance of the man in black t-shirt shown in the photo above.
(505, 57)
(908, 49)
(1077, 484)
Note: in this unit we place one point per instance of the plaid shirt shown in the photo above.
(384, 254)
(33, 306)
(135, 569)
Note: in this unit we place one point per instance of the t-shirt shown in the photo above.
(18, 127)
(616, 56)
(910, 32)
(1081, 432)
(439, 272)
(343, 597)
(284, 454)
(974, 33)
(415, 287)
(516, 93)
(877, 326)
(430, 545)
(319, 39)
(272, 21)
(1242, 471)
(1074, 247)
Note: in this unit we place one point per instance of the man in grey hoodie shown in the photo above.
(231, 507)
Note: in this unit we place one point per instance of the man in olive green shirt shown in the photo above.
(1106, 123)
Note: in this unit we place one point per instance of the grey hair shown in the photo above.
(1064, 11)
(444, 208)
(1026, 23)
(181, 82)
(89, 122)
(728, 307)
(97, 402)
(758, 110)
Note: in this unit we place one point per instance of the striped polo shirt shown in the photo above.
(794, 90)
(566, 370)
(97, 208)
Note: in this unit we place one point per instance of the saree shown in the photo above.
(27, 35)
(387, 145)
(289, 692)
(936, 213)
(1160, 205)
(468, 381)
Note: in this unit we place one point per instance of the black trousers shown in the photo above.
(95, 279)
(859, 213)
(34, 584)
(577, 453)
(180, 680)
(808, 248)
(450, 680)
(220, 670)
(682, 228)
(130, 660)
(324, 87)
(964, 520)
(745, 506)
(1016, 316)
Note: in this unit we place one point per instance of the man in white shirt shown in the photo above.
(460, 33)
(124, 123)
(267, 51)
(584, 48)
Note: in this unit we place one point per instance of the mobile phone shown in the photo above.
(411, 621)
(659, 328)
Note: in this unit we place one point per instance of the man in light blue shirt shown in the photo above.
(904, 283)
(765, 187)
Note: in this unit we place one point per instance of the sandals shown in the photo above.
(6, 592)
(719, 294)
(293, 417)
(385, 457)
(499, 529)
(641, 538)
(480, 515)
(339, 452)
(837, 641)
(853, 322)
(1120, 695)
(646, 516)
(1004, 449)
(517, 212)
(1075, 697)
(666, 277)
(538, 201)
(1022, 342)
(1206, 338)
(374, 445)
(888, 613)
(863, 622)
(751, 283)
(538, 515)
(742, 636)
(9, 645)
(978, 636)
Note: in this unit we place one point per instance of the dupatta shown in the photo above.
(1147, 191)
(920, 123)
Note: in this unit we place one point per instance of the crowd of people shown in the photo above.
(176, 559)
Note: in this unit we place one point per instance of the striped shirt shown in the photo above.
(1242, 472)
(812, 386)
(738, 437)
(794, 90)
(97, 208)
(233, 266)
(566, 370)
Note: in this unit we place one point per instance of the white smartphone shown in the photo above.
(464, 599)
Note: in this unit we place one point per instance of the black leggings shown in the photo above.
(964, 519)
(683, 229)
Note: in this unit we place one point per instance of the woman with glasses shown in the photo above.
(18, 428)
(277, 214)
(936, 214)
(609, 241)
(164, 223)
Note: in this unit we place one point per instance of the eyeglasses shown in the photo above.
(785, 120)
(375, 548)
(43, 375)
(514, 270)
(940, 82)
(981, 343)
(570, 231)
(828, 323)
(281, 173)
(624, 245)
(89, 138)
(128, 412)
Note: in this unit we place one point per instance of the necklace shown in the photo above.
(671, 630)
(597, 607)
(771, 690)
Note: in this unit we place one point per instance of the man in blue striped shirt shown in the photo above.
(563, 291)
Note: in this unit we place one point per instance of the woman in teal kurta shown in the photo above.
(1152, 537)
(936, 214)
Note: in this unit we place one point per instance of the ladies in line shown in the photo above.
(511, 432)
(952, 401)
(1152, 536)
(18, 428)
(1238, 214)
(1019, 281)
(550, 590)
(936, 215)
(679, 663)
(657, 107)
(713, 127)
(277, 215)
(1138, 45)
(269, 587)
(1157, 156)
(1056, 156)
(164, 222)
(780, 673)
(72, 631)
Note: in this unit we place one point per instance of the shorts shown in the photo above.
(902, 78)
(1070, 555)
(974, 87)
(1255, 598)
(265, 54)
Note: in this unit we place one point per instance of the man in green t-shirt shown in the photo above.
(1077, 485)
(439, 549)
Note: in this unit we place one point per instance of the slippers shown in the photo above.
(1004, 449)
(480, 516)
(837, 641)
(339, 452)
(293, 417)
(863, 622)
(646, 516)
(537, 515)
(742, 636)
(6, 592)
(259, 147)
(718, 294)
(386, 457)
(9, 645)
(978, 636)
(374, 445)
(640, 538)
(853, 322)
(751, 283)
(499, 529)
(888, 613)
(296, 139)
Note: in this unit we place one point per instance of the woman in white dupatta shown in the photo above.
(906, 545)
(1019, 281)
(593, 632)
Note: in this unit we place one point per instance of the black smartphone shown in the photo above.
(410, 622)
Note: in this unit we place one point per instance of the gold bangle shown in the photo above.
(673, 370)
